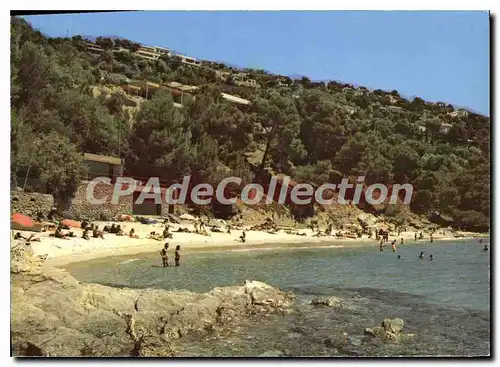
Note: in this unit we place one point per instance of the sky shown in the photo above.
(436, 55)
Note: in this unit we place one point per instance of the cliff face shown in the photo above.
(52, 314)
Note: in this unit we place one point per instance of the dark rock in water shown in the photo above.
(391, 329)
(53, 314)
(327, 301)
(394, 326)
(272, 354)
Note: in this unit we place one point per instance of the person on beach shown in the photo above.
(432, 238)
(52, 214)
(19, 236)
(166, 233)
(132, 234)
(415, 236)
(40, 217)
(119, 231)
(393, 246)
(164, 255)
(85, 234)
(243, 236)
(421, 256)
(402, 241)
(381, 245)
(60, 234)
(96, 233)
(421, 236)
(177, 255)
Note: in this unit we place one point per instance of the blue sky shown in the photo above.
(439, 56)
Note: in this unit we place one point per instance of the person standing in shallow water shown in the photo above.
(421, 256)
(164, 255)
(177, 255)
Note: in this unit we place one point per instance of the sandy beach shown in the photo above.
(75, 249)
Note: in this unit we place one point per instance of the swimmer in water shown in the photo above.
(421, 256)
(431, 258)
(399, 256)
(485, 247)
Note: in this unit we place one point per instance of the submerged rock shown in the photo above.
(390, 329)
(53, 314)
(327, 301)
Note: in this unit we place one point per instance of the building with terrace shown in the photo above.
(459, 113)
(152, 52)
(92, 47)
(243, 80)
(188, 60)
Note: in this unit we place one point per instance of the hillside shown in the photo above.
(313, 132)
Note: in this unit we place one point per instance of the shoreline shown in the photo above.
(332, 243)
(60, 252)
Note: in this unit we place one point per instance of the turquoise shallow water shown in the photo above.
(445, 302)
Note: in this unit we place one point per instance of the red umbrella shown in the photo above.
(23, 220)
(71, 223)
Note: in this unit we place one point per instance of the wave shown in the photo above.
(127, 261)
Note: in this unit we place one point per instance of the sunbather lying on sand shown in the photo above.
(19, 236)
(132, 234)
(155, 236)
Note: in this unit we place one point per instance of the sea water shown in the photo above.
(445, 302)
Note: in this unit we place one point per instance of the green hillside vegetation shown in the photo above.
(310, 131)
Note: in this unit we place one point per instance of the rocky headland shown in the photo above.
(53, 314)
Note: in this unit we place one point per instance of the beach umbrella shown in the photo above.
(187, 217)
(23, 220)
(71, 223)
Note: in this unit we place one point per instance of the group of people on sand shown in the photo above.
(393, 245)
(164, 255)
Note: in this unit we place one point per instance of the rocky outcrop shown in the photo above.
(53, 314)
(327, 301)
(391, 329)
(80, 207)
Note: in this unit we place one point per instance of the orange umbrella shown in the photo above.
(71, 223)
(23, 220)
